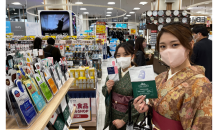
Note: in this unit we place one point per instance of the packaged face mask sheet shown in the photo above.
(35, 95)
(61, 77)
(65, 112)
(143, 81)
(24, 103)
(69, 103)
(56, 78)
(44, 87)
(60, 124)
(113, 73)
(50, 81)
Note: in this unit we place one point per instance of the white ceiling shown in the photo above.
(127, 5)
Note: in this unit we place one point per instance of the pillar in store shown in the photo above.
(166, 5)
(9, 13)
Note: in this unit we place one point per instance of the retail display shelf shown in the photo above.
(76, 88)
(43, 118)
(74, 109)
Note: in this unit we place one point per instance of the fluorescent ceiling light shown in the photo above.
(108, 15)
(125, 17)
(143, 3)
(189, 8)
(128, 15)
(109, 8)
(16, 3)
(85, 12)
(43, 3)
(136, 8)
(15, 13)
(82, 8)
(109, 12)
(111, 3)
(79, 3)
(198, 12)
(131, 12)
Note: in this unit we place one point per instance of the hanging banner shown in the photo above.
(8, 27)
(83, 110)
(100, 28)
(18, 28)
(32, 29)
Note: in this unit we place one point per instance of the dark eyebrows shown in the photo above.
(174, 41)
(162, 43)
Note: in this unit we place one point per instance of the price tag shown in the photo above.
(69, 121)
(40, 52)
(35, 52)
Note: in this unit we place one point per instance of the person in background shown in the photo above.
(140, 45)
(117, 95)
(37, 44)
(184, 93)
(130, 41)
(149, 51)
(52, 51)
(108, 47)
(202, 50)
(122, 41)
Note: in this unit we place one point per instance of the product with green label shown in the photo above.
(143, 81)
(44, 87)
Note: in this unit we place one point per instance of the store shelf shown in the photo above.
(43, 119)
(74, 109)
(76, 88)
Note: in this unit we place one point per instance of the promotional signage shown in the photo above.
(143, 81)
(100, 28)
(83, 110)
(18, 28)
(133, 31)
(32, 29)
(119, 25)
(8, 27)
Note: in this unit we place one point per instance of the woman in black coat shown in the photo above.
(140, 58)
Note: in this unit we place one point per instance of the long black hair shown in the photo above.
(128, 49)
(37, 44)
(138, 45)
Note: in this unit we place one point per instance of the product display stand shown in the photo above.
(43, 118)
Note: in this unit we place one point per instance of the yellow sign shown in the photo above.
(100, 28)
(133, 31)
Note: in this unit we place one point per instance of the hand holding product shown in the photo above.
(109, 84)
(140, 104)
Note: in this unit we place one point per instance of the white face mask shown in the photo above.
(124, 62)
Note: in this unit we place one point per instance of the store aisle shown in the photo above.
(102, 111)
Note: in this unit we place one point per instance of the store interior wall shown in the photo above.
(163, 5)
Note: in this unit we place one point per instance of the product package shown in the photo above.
(61, 77)
(56, 78)
(113, 73)
(35, 95)
(65, 112)
(50, 81)
(57, 123)
(44, 87)
(26, 109)
(70, 104)
(143, 81)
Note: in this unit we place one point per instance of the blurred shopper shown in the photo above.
(108, 47)
(202, 51)
(184, 94)
(37, 44)
(51, 51)
(122, 41)
(140, 46)
(117, 95)
(149, 51)
(130, 41)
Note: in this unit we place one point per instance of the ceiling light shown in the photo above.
(143, 3)
(109, 12)
(15, 13)
(109, 8)
(85, 12)
(82, 8)
(189, 8)
(16, 3)
(198, 12)
(108, 15)
(79, 3)
(111, 3)
(125, 17)
(43, 3)
(136, 8)
(131, 12)
(128, 15)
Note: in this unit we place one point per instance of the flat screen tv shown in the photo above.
(55, 22)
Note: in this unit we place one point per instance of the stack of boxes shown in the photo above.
(84, 77)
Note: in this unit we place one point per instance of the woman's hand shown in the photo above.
(140, 105)
(109, 84)
(118, 123)
(149, 56)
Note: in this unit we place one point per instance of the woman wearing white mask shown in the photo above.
(184, 93)
(118, 94)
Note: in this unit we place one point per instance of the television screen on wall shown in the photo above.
(55, 22)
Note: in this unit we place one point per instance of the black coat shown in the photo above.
(140, 59)
(131, 42)
(202, 55)
(55, 53)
